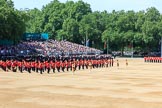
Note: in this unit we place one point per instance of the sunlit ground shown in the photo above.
(138, 85)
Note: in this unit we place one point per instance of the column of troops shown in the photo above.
(54, 65)
(153, 59)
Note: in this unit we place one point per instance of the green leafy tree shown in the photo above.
(12, 21)
(71, 27)
(75, 21)
(34, 24)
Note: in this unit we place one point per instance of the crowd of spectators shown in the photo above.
(47, 48)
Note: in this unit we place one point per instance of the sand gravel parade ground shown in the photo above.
(138, 85)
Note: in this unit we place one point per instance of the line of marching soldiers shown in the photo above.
(153, 59)
(54, 65)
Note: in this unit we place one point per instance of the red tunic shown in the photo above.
(4, 64)
(47, 65)
(58, 64)
(53, 65)
(62, 64)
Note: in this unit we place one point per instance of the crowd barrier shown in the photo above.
(153, 59)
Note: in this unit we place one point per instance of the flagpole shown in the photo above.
(86, 42)
(161, 47)
(86, 39)
(132, 48)
(107, 45)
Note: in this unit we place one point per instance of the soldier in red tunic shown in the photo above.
(4, 66)
(73, 67)
(29, 67)
(66, 65)
(53, 66)
(40, 67)
(117, 63)
(14, 66)
(126, 62)
(58, 66)
(20, 65)
(9, 64)
(33, 66)
(90, 64)
(48, 67)
(86, 64)
(82, 63)
(79, 64)
(37, 66)
(106, 63)
(69, 65)
(62, 64)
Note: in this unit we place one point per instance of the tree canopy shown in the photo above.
(12, 21)
(76, 22)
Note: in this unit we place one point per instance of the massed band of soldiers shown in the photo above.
(42, 64)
